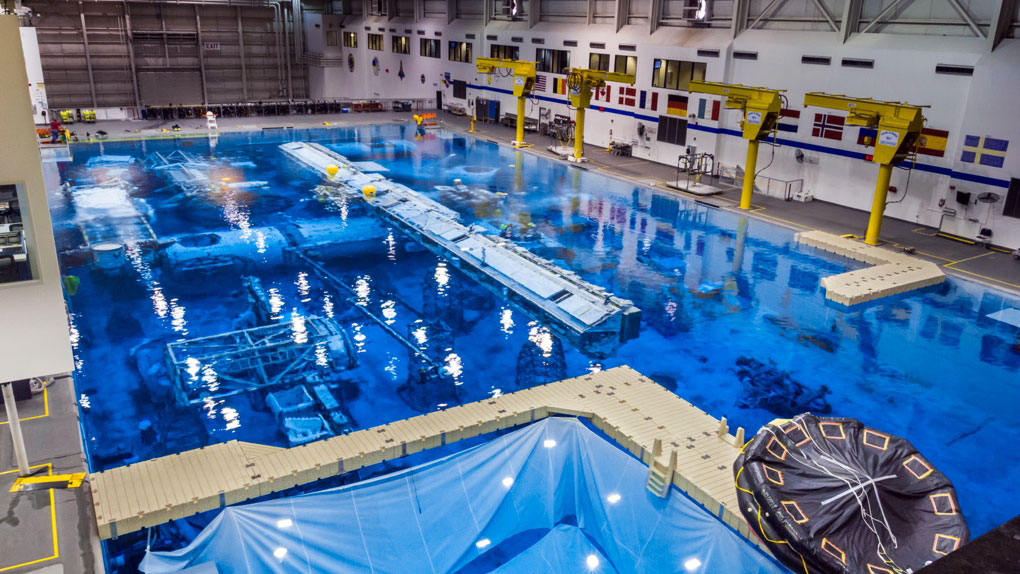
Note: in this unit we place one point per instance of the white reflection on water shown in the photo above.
(541, 337)
(454, 367)
(506, 321)
(358, 337)
(275, 302)
(442, 277)
(389, 311)
(391, 366)
(391, 246)
(299, 331)
(303, 287)
(363, 289)
(177, 321)
(327, 305)
(321, 355)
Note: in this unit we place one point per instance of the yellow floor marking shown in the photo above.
(53, 522)
(985, 277)
(46, 410)
(968, 259)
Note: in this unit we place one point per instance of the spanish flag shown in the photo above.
(559, 85)
(676, 105)
(932, 142)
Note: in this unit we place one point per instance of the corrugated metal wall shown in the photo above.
(172, 43)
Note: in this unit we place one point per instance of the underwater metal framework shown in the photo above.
(595, 320)
(645, 418)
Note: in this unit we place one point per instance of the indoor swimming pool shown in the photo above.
(193, 256)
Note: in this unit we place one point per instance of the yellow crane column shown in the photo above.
(897, 128)
(760, 107)
(524, 81)
(581, 82)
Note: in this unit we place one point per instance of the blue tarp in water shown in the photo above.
(551, 497)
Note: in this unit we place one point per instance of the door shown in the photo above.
(439, 99)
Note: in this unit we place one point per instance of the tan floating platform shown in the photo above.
(891, 272)
(634, 411)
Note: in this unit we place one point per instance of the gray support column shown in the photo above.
(738, 22)
(14, 423)
(286, 54)
(622, 13)
(166, 44)
(131, 57)
(487, 10)
(534, 13)
(654, 14)
(391, 9)
(201, 55)
(88, 56)
(244, 65)
(1001, 22)
(299, 30)
(851, 19)
(451, 11)
(591, 12)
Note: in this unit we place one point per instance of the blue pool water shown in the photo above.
(733, 316)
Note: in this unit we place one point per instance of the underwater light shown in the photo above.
(692, 564)
(482, 543)
(613, 498)
(508, 481)
(280, 552)
(549, 443)
(284, 523)
(592, 561)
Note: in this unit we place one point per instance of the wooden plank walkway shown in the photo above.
(891, 272)
(631, 409)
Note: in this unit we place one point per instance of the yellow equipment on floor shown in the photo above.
(897, 127)
(524, 81)
(47, 481)
(760, 107)
(581, 82)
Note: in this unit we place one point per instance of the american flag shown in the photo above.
(539, 83)
(828, 126)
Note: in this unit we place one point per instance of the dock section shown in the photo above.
(660, 428)
(595, 320)
(891, 273)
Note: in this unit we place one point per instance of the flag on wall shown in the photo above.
(604, 93)
(676, 105)
(984, 150)
(828, 126)
(866, 136)
(789, 120)
(539, 83)
(709, 109)
(559, 85)
(627, 96)
(650, 102)
(933, 142)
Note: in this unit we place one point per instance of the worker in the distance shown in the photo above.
(55, 129)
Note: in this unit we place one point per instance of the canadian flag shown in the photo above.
(603, 94)
(627, 96)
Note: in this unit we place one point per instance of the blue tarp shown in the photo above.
(551, 497)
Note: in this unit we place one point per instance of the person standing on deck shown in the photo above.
(54, 130)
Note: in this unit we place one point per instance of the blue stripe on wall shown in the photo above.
(995, 182)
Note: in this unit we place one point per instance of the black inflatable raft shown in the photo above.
(829, 495)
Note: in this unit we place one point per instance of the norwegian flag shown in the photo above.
(603, 94)
(828, 126)
(539, 83)
(627, 96)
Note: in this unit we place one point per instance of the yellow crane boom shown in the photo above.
(897, 126)
(581, 82)
(524, 81)
(760, 107)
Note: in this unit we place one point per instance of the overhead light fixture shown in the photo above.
(284, 523)
(549, 443)
(592, 561)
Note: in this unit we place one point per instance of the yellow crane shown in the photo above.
(581, 82)
(760, 107)
(524, 81)
(897, 126)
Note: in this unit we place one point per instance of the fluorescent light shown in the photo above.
(482, 543)
(592, 561)
(284, 523)
(280, 552)
(692, 564)
(508, 481)
(613, 498)
(549, 443)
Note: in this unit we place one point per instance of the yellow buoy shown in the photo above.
(368, 191)
(332, 170)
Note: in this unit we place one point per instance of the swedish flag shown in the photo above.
(984, 150)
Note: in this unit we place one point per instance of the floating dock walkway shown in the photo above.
(891, 273)
(595, 320)
(681, 444)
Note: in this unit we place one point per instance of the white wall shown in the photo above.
(33, 67)
(32, 316)
(985, 104)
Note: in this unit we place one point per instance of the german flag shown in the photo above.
(676, 105)
(932, 142)
(559, 85)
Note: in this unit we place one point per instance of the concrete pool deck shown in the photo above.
(960, 258)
